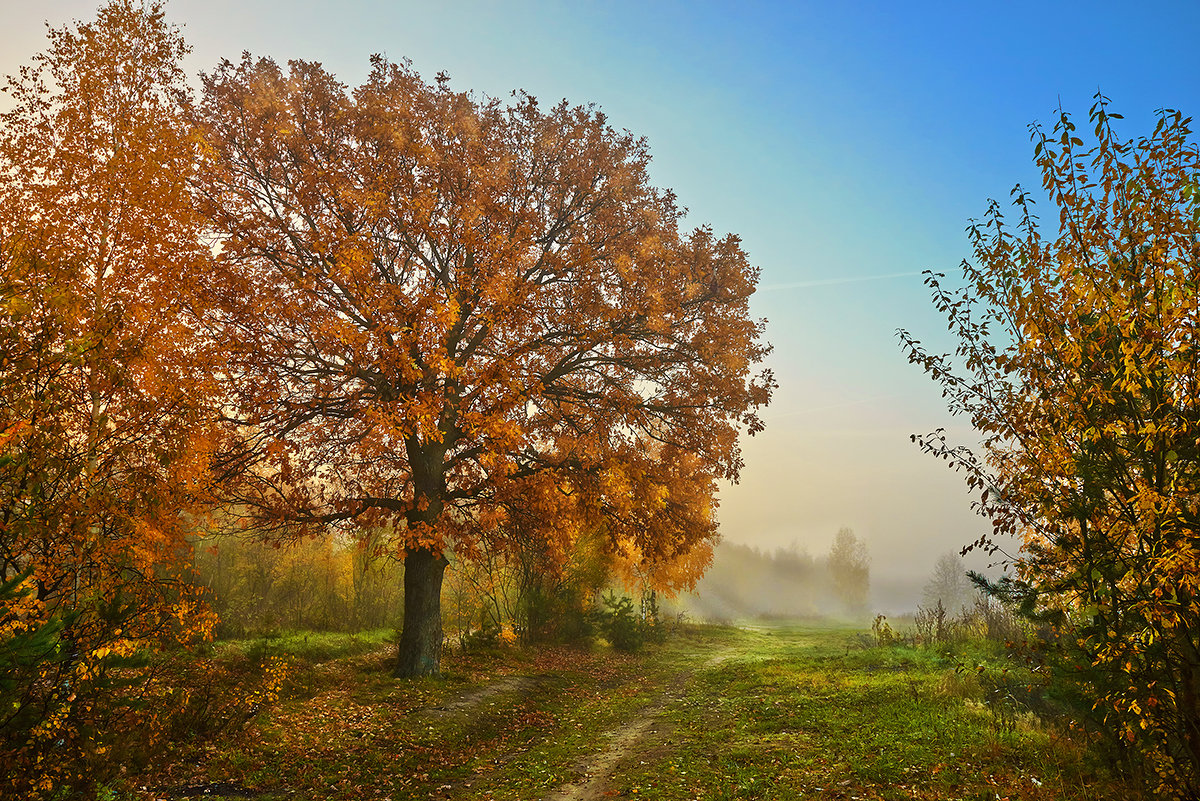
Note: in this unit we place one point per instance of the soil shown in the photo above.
(642, 736)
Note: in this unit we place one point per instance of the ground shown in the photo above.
(770, 712)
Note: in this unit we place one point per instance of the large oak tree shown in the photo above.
(458, 316)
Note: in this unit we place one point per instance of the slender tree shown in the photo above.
(1078, 361)
(456, 316)
(948, 584)
(103, 446)
(850, 571)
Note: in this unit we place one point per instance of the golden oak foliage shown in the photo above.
(1082, 371)
(466, 320)
(102, 385)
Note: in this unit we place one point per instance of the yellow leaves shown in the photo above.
(24, 612)
(614, 483)
(1086, 376)
(275, 672)
(657, 498)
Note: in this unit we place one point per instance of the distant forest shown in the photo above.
(744, 581)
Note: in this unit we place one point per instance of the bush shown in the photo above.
(619, 625)
(883, 633)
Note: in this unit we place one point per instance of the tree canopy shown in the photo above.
(104, 432)
(464, 318)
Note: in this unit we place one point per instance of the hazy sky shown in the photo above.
(846, 143)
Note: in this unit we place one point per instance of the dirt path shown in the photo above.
(571, 725)
(600, 768)
(473, 699)
(636, 735)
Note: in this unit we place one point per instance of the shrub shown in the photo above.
(619, 625)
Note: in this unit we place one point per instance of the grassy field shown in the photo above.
(777, 712)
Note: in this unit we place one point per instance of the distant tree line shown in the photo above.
(745, 581)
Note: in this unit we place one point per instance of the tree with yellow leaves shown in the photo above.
(1079, 363)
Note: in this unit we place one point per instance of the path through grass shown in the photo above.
(782, 712)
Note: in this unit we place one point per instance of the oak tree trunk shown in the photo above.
(420, 650)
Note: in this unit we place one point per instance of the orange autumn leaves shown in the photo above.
(105, 392)
(457, 274)
(478, 312)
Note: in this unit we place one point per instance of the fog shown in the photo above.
(806, 476)
(746, 582)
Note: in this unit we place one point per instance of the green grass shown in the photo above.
(804, 714)
(310, 646)
(715, 713)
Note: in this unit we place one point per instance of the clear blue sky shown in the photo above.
(842, 140)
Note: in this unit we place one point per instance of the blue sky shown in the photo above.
(842, 140)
